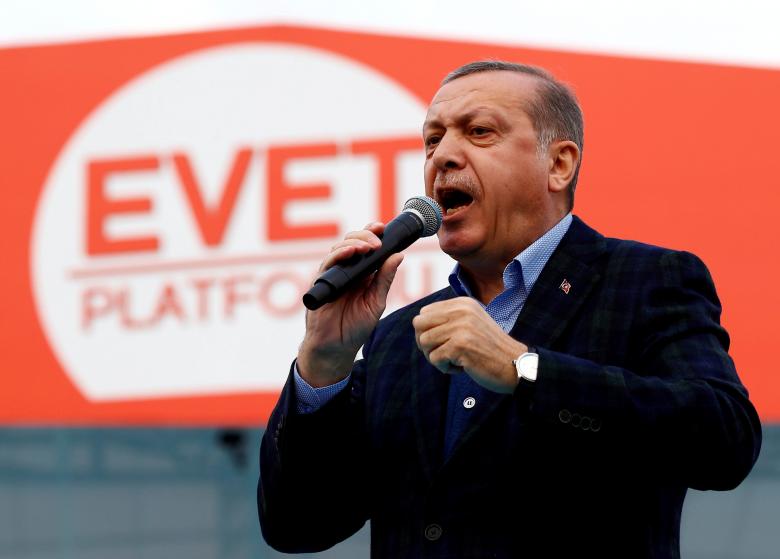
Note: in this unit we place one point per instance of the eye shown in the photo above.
(432, 140)
(480, 131)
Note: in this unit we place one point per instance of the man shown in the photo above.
(556, 400)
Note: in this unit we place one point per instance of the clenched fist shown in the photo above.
(335, 332)
(457, 335)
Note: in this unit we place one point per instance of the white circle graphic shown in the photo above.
(166, 261)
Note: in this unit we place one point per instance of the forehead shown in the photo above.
(503, 91)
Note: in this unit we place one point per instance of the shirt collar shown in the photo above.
(530, 261)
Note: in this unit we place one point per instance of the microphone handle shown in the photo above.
(399, 234)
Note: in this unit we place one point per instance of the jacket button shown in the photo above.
(595, 425)
(576, 419)
(564, 416)
(433, 532)
(586, 421)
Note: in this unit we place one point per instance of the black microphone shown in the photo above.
(421, 217)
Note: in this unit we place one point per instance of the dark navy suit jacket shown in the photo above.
(636, 400)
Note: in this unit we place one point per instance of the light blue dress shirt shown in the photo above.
(520, 275)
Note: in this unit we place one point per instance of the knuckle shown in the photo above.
(356, 236)
(460, 342)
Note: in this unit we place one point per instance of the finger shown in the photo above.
(371, 236)
(430, 340)
(420, 344)
(430, 320)
(440, 306)
(376, 227)
(363, 241)
(338, 254)
(442, 360)
(421, 347)
(363, 244)
(451, 369)
(385, 276)
(417, 333)
(443, 366)
(344, 250)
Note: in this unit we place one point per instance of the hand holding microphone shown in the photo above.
(352, 290)
(421, 217)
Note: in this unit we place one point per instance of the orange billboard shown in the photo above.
(167, 201)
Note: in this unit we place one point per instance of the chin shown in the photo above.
(457, 248)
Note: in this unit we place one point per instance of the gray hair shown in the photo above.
(555, 113)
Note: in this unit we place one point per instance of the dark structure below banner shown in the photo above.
(164, 493)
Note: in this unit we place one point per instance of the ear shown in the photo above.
(563, 157)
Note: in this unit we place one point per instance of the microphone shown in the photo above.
(421, 217)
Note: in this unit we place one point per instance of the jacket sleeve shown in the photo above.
(682, 409)
(311, 494)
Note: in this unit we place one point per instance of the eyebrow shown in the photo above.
(467, 117)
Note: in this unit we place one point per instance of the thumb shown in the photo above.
(385, 276)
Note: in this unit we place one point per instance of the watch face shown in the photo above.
(527, 366)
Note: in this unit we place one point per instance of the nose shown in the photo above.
(448, 154)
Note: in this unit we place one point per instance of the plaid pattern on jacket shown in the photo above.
(636, 400)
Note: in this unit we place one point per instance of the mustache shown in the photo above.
(460, 182)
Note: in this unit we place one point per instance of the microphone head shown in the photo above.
(429, 210)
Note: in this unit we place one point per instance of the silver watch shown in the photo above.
(527, 365)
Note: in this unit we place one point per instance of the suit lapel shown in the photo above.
(429, 402)
(550, 306)
(562, 288)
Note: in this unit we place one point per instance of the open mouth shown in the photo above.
(453, 201)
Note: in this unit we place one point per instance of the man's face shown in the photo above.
(482, 166)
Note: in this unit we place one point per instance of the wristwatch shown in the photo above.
(527, 364)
